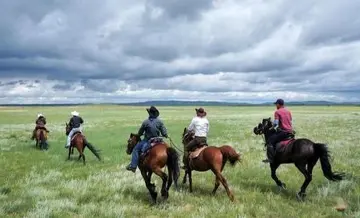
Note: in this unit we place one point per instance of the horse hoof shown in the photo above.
(282, 187)
(300, 196)
(165, 194)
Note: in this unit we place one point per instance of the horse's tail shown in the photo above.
(173, 164)
(322, 152)
(92, 149)
(229, 154)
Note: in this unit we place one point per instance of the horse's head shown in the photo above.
(132, 141)
(187, 136)
(67, 128)
(263, 127)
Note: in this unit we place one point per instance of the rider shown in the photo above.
(152, 127)
(75, 126)
(283, 126)
(200, 125)
(40, 124)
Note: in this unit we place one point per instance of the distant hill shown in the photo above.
(198, 103)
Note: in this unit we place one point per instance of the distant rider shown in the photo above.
(200, 125)
(152, 127)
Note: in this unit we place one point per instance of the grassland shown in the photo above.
(44, 184)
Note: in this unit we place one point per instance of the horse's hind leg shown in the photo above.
(185, 175)
(223, 181)
(308, 177)
(164, 177)
(83, 156)
(217, 184)
(170, 180)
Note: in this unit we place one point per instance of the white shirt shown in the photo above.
(200, 125)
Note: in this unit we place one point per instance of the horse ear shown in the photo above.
(185, 130)
(131, 135)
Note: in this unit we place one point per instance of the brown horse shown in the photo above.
(41, 139)
(78, 141)
(211, 158)
(156, 158)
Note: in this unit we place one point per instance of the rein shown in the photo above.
(174, 145)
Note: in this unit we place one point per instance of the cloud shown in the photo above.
(205, 50)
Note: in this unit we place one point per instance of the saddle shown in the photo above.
(152, 142)
(194, 154)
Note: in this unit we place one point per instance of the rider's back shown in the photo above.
(285, 119)
(153, 127)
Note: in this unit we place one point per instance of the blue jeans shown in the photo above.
(141, 146)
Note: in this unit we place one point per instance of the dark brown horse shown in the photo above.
(41, 139)
(211, 158)
(159, 156)
(303, 153)
(77, 141)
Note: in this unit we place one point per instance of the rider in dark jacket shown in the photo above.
(151, 128)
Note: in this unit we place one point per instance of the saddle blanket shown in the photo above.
(281, 146)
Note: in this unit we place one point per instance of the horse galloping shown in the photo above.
(302, 152)
(210, 158)
(157, 157)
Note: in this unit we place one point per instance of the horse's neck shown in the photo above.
(268, 134)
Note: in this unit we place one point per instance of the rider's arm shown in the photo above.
(81, 120)
(142, 129)
(44, 121)
(192, 125)
(276, 120)
(163, 129)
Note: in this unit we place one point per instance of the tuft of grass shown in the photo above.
(45, 184)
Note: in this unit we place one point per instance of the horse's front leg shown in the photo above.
(69, 153)
(279, 183)
(151, 187)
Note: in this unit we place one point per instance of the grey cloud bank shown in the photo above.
(118, 51)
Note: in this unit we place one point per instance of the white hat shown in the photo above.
(75, 113)
(40, 115)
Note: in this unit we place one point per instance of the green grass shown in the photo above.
(44, 184)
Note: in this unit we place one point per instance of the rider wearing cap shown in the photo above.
(200, 126)
(283, 124)
(151, 128)
(75, 126)
(40, 124)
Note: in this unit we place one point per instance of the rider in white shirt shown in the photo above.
(200, 125)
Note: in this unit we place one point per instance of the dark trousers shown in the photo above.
(271, 149)
(192, 145)
(278, 137)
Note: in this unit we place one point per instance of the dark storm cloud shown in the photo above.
(198, 46)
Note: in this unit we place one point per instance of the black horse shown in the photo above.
(303, 153)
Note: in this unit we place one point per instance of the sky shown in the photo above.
(87, 51)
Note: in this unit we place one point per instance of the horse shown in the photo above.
(210, 158)
(158, 156)
(41, 139)
(302, 152)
